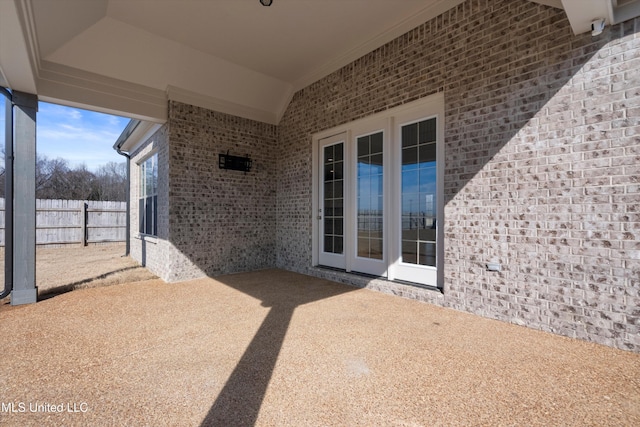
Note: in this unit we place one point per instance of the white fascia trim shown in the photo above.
(221, 105)
(28, 23)
(84, 89)
(396, 31)
(18, 51)
(139, 136)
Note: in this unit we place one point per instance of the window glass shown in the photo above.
(148, 201)
(370, 197)
(418, 193)
(333, 198)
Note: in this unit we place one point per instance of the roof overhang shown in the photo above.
(131, 57)
(106, 55)
(134, 134)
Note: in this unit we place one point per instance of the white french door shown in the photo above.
(368, 210)
(379, 194)
(418, 199)
(331, 211)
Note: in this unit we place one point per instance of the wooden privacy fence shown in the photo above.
(80, 222)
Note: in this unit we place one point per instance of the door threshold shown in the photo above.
(382, 278)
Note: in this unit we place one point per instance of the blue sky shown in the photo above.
(78, 136)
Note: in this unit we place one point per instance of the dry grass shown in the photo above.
(60, 270)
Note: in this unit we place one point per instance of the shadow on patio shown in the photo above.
(240, 400)
(278, 348)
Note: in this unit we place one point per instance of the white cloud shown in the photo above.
(79, 136)
(59, 112)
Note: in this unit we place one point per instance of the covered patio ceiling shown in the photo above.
(235, 56)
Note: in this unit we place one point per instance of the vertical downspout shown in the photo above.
(127, 250)
(126, 133)
(8, 196)
(128, 195)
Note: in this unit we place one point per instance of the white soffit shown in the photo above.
(356, 50)
(123, 52)
(48, 17)
(288, 40)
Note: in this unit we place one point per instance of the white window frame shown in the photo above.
(390, 122)
(142, 192)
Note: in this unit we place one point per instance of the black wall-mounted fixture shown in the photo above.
(236, 163)
(266, 2)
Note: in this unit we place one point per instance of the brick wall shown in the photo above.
(221, 221)
(542, 163)
(150, 252)
(210, 221)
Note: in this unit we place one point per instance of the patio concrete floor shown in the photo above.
(279, 348)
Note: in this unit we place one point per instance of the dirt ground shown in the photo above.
(60, 270)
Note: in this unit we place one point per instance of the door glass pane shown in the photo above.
(419, 193)
(370, 194)
(333, 167)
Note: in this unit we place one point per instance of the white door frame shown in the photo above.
(390, 122)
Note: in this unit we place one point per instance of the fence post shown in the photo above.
(83, 216)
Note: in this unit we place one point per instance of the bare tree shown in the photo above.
(56, 180)
(111, 181)
(51, 177)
